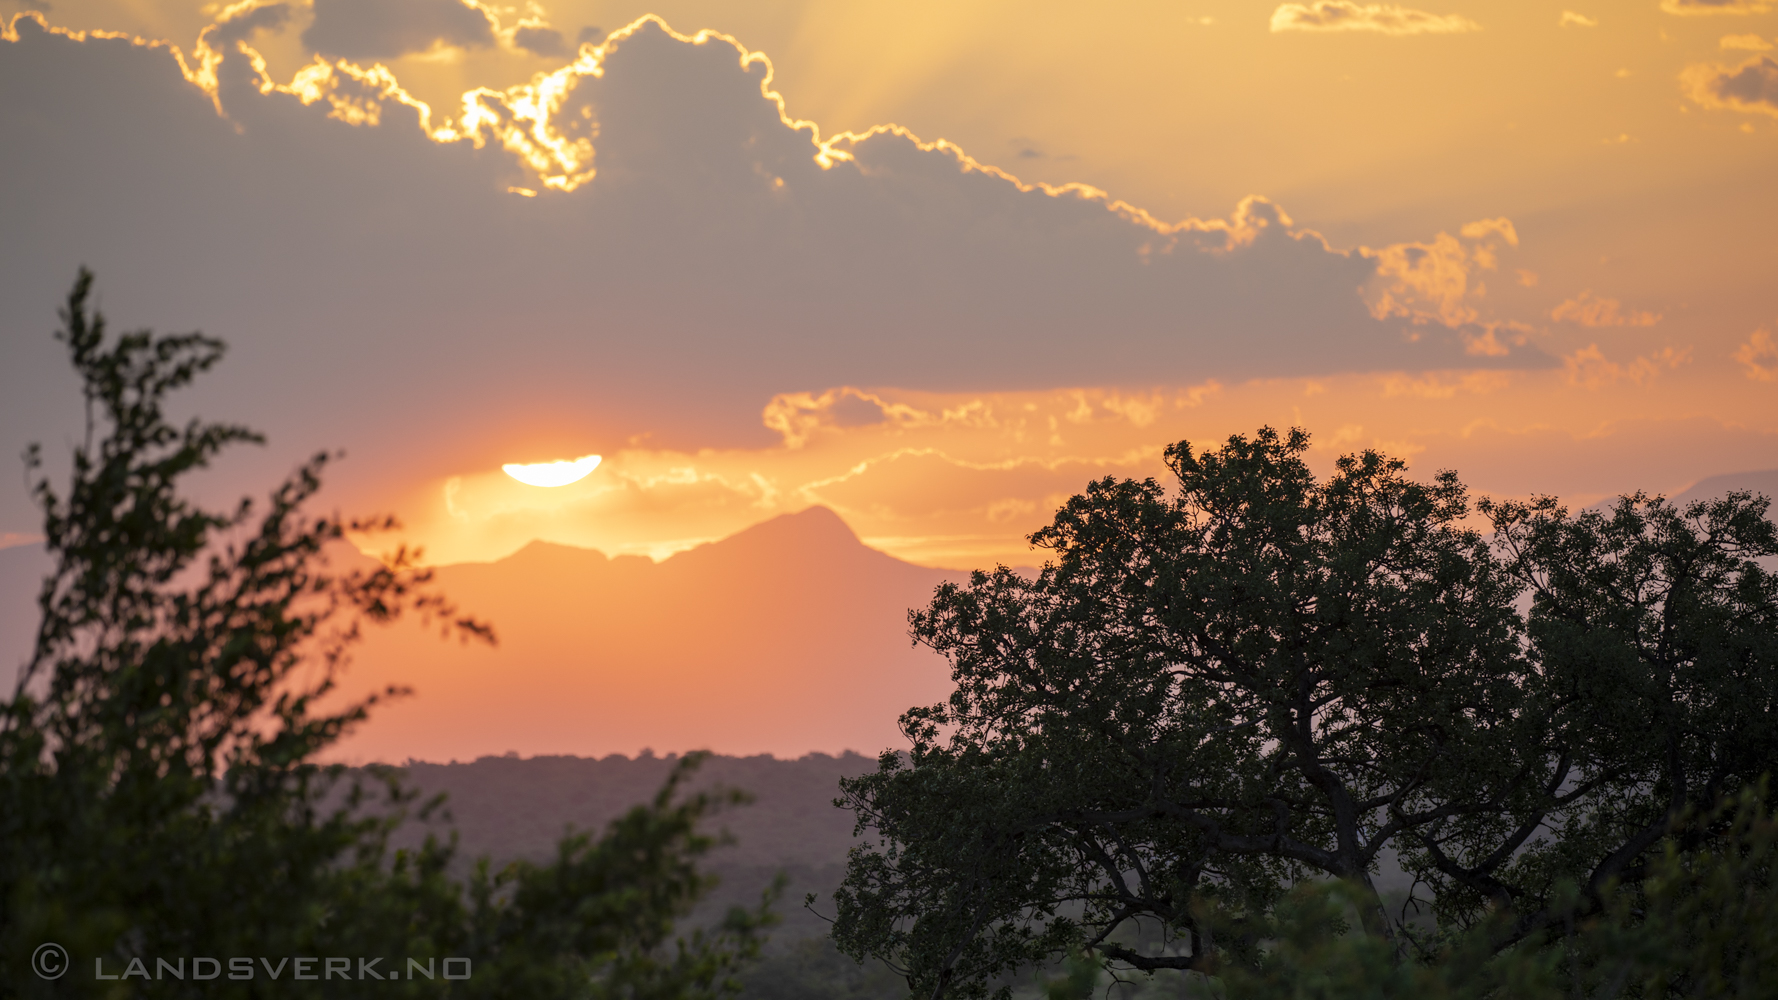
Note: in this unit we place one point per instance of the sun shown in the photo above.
(552, 473)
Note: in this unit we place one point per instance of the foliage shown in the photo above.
(1656, 634)
(813, 969)
(1079, 979)
(1269, 679)
(1703, 923)
(159, 791)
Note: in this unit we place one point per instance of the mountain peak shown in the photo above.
(811, 523)
(538, 553)
(811, 543)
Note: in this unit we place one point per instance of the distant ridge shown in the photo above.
(1764, 482)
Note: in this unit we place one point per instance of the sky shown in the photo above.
(934, 266)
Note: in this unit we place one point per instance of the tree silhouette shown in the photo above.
(1270, 678)
(160, 797)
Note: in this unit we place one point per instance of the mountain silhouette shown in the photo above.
(786, 638)
(1764, 483)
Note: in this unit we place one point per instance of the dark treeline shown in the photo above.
(509, 808)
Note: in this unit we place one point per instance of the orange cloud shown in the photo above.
(1590, 368)
(1759, 356)
(1483, 228)
(798, 416)
(1386, 19)
(1701, 7)
(1445, 385)
(928, 493)
(1753, 43)
(1431, 281)
(1578, 20)
(1751, 87)
(1586, 309)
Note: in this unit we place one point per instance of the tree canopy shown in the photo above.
(160, 795)
(1268, 678)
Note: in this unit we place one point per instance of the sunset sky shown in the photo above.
(931, 266)
(934, 266)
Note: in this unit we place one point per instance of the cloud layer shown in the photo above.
(1688, 8)
(1386, 19)
(720, 251)
(1587, 309)
(382, 29)
(644, 254)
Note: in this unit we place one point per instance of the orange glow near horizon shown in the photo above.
(958, 480)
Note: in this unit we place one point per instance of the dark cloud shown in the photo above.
(1754, 82)
(1688, 7)
(1751, 87)
(544, 41)
(590, 33)
(381, 290)
(384, 29)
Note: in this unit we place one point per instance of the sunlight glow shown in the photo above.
(552, 473)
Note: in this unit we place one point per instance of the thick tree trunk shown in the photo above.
(1373, 916)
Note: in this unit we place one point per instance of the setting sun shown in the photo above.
(559, 473)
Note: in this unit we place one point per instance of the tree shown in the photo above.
(159, 791)
(1270, 678)
(1656, 633)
